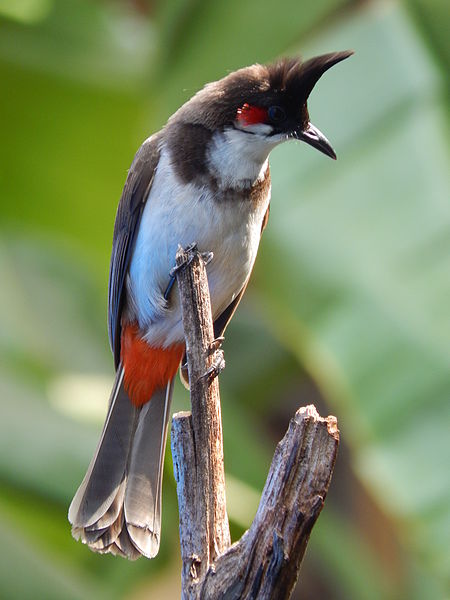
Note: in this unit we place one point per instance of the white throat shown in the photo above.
(238, 159)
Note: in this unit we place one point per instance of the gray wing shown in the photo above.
(129, 212)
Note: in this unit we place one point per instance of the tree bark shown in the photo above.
(197, 438)
(265, 562)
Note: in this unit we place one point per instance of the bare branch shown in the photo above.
(205, 533)
(265, 562)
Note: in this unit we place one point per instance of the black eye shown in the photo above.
(276, 114)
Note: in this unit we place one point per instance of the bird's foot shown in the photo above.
(216, 344)
(218, 359)
(190, 251)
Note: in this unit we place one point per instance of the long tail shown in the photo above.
(117, 507)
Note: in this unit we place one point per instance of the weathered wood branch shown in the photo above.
(265, 562)
(197, 439)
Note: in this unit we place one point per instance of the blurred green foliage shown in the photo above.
(348, 307)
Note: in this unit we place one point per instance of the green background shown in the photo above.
(349, 305)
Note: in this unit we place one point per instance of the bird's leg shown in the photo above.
(169, 286)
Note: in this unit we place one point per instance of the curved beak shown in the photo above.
(315, 138)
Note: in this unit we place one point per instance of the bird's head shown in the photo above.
(265, 102)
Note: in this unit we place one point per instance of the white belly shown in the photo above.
(182, 214)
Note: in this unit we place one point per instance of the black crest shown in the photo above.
(296, 78)
(288, 81)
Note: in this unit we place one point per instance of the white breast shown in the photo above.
(176, 213)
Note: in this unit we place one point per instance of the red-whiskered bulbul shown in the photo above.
(203, 178)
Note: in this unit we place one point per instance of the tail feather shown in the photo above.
(117, 507)
(114, 512)
(105, 531)
(143, 494)
(108, 466)
(124, 547)
(103, 538)
(142, 499)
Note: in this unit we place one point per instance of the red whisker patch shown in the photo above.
(251, 115)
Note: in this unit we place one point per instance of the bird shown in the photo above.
(203, 178)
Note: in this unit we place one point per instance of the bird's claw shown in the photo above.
(207, 257)
(190, 251)
(216, 344)
(217, 365)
